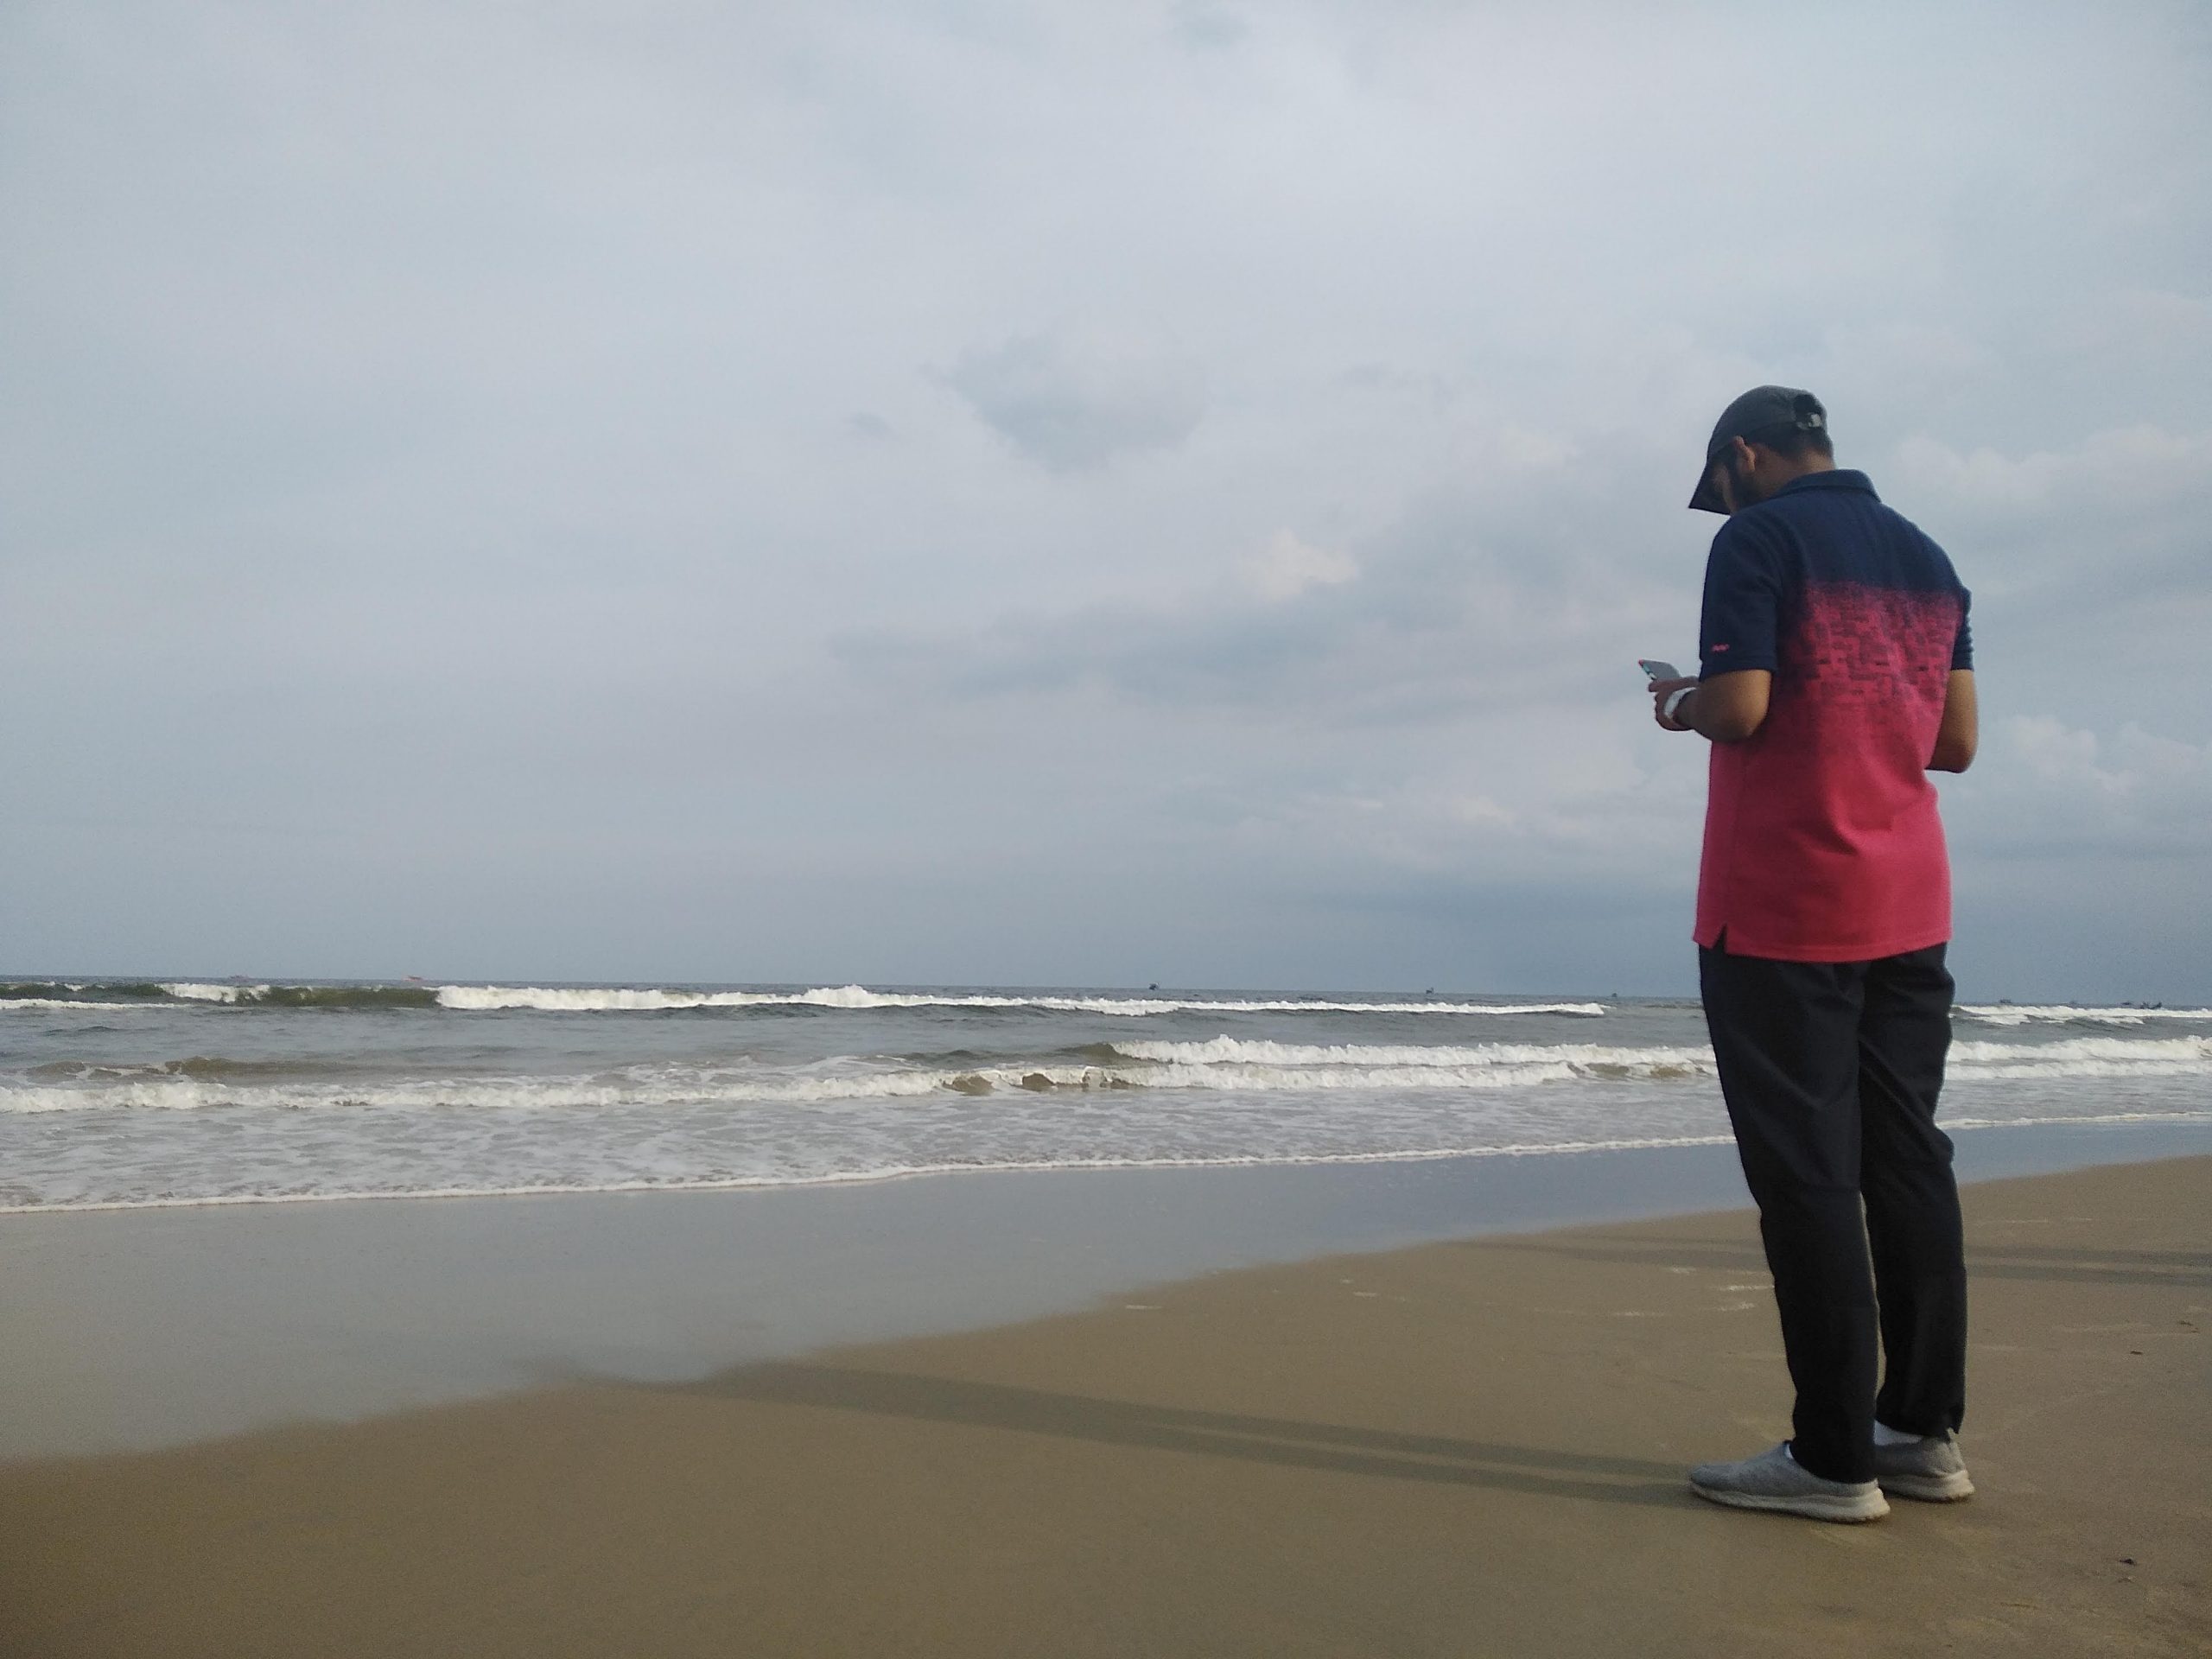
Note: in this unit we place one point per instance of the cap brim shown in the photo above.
(1708, 499)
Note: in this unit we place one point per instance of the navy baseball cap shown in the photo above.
(1762, 412)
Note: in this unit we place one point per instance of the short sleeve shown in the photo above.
(1743, 594)
(1962, 647)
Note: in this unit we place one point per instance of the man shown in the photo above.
(1836, 671)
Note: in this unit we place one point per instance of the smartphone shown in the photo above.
(1659, 670)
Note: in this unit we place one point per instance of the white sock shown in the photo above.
(1885, 1435)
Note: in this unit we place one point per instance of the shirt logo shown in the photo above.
(1721, 647)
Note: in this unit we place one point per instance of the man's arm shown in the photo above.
(1960, 733)
(1727, 707)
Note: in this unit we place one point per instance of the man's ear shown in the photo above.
(1752, 461)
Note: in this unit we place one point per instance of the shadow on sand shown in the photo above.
(1285, 1441)
(2183, 1269)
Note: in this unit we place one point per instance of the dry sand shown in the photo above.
(1455, 1449)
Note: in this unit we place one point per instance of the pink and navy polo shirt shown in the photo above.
(1823, 842)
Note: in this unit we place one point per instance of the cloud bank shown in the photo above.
(1173, 493)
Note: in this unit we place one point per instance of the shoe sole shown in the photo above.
(1849, 1511)
(1929, 1488)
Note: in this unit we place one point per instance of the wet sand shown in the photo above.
(1460, 1448)
(130, 1330)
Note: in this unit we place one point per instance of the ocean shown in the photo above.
(128, 1094)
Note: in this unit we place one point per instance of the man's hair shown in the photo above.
(1794, 442)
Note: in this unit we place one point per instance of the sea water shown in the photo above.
(129, 1094)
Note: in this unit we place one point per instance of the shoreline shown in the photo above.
(1475, 1445)
(2180, 1122)
(138, 1329)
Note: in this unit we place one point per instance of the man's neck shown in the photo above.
(1806, 468)
(1779, 478)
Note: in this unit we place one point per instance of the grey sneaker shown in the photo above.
(1929, 1468)
(1774, 1480)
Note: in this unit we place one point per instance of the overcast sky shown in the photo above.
(1003, 492)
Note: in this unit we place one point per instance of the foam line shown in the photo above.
(2008, 1015)
(1222, 1063)
(563, 1000)
(171, 1092)
(902, 1172)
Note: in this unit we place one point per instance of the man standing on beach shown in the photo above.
(1836, 671)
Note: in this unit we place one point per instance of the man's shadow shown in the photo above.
(1286, 1442)
(2053, 1264)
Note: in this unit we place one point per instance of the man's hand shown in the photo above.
(1661, 690)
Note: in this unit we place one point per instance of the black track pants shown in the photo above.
(1831, 1071)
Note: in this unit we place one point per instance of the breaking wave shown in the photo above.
(490, 999)
(194, 1085)
(2006, 1013)
(308, 997)
(561, 999)
(68, 994)
(2084, 1056)
(148, 994)
(1222, 1063)
(88, 995)
(1582, 1060)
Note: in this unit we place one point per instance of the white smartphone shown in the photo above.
(1659, 670)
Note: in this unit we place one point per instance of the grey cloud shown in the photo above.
(2047, 788)
(1206, 24)
(2121, 472)
(469, 462)
(1072, 401)
(1486, 591)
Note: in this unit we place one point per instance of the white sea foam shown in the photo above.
(564, 1000)
(183, 1094)
(1222, 1064)
(601, 1000)
(192, 991)
(1649, 1061)
(898, 1171)
(877, 1173)
(375, 1089)
(676, 1087)
(2084, 1056)
(2133, 1050)
(75, 1005)
(2008, 1014)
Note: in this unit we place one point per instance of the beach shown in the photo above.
(932, 832)
(1469, 1444)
